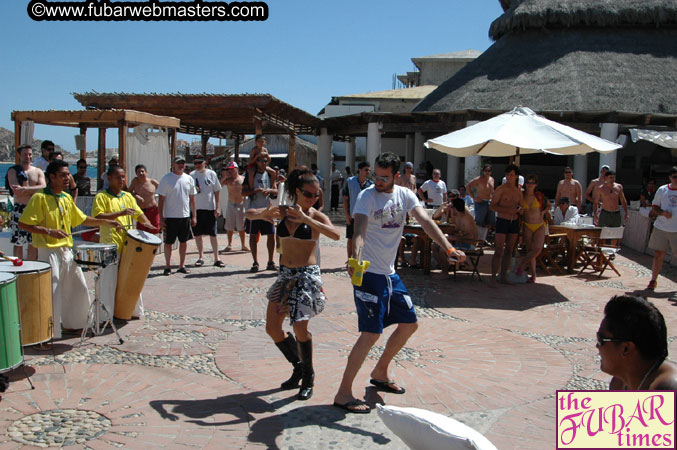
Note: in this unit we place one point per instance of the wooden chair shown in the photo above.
(597, 254)
(555, 245)
(473, 256)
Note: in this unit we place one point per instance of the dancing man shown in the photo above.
(50, 215)
(382, 299)
(297, 292)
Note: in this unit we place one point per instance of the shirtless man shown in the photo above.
(234, 213)
(25, 180)
(481, 189)
(607, 197)
(505, 203)
(143, 189)
(408, 179)
(465, 235)
(594, 185)
(568, 187)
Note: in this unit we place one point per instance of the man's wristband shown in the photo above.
(451, 249)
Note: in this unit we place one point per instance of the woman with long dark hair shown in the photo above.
(533, 208)
(297, 292)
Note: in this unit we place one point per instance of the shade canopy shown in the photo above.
(520, 131)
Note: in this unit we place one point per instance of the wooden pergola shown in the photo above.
(228, 116)
(121, 119)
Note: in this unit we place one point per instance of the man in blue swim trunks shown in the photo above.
(382, 299)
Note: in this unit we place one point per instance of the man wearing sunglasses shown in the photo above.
(481, 189)
(632, 342)
(664, 234)
(569, 187)
(382, 299)
(259, 191)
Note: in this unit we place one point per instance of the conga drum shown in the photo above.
(34, 289)
(137, 257)
(10, 341)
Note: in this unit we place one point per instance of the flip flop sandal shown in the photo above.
(219, 264)
(199, 263)
(167, 272)
(652, 285)
(255, 268)
(271, 266)
(385, 386)
(183, 270)
(351, 407)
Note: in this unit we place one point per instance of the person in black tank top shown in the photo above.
(297, 292)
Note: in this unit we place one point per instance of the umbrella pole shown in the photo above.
(517, 158)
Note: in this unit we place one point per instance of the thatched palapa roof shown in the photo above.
(572, 56)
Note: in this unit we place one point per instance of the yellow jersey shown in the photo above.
(106, 203)
(57, 212)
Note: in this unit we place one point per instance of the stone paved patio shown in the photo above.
(199, 371)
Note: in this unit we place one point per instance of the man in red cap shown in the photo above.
(234, 213)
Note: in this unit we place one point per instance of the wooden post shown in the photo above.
(203, 149)
(237, 149)
(172, 137)
(122, 145)
(292, 152)
(17, 139)
(258, 126)
(83, 150)
(100, 158)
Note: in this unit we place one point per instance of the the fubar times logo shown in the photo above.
(615, 419)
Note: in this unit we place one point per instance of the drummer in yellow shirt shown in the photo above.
(49, 215)
(115, 204)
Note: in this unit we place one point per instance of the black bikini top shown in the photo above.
(303, 231)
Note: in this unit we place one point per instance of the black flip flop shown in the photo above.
(385, 386)
(349, 407)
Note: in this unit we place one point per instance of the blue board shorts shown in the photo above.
(382, 300)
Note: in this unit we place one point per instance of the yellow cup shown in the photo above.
(358, 270)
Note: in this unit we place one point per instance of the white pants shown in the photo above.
(70, 298)
(107, 286)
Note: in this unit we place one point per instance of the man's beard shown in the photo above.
(385, 188)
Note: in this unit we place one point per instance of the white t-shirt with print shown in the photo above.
(206, 184)
(666, 199)
(176, 189)
(387, 214)
(435, 190)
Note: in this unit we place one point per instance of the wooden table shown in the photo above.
(447, 228)
(574, 233)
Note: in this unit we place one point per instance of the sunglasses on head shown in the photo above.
(308, 194)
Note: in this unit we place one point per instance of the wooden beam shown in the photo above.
(292, 152)
(237, 149)
(83, 150)
(17, 139)
(122, 144)
(93, 118)
(101, 158)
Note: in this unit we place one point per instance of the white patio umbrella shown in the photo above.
(520, 131)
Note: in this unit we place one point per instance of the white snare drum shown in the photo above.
(93, 254)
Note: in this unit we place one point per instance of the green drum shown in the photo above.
(10, 339)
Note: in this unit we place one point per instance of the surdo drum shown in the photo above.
(10, 342)
(137, 257)
(34, 289)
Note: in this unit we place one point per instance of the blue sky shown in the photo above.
(305, 53)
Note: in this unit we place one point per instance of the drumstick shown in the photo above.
(15, 261)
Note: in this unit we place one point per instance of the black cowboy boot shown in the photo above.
(289, 350)
(306, 353)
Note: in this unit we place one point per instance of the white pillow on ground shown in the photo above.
(426, 430)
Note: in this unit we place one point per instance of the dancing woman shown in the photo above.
(534, 206)
(297, 292)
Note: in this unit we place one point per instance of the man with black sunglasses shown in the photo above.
(82, 181)
(664, 234)
(632, 341)
(570, 188)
